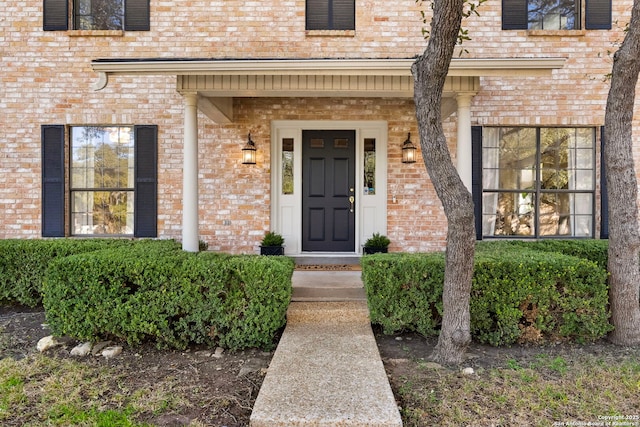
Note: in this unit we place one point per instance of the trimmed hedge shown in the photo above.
(518, 295)
(23, 264)
(534, 296)
(171, 297)
(404, 291)
(591, 249)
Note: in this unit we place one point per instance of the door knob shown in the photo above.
(351, 200)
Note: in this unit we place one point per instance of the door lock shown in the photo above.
(351, 200)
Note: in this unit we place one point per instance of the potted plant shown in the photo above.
(376, 243)
(272, 244)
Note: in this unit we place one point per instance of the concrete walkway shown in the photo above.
(326, 370)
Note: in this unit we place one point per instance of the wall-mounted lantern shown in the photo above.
(249, 152)
(408, 150)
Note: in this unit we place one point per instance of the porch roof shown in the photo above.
(218, 81)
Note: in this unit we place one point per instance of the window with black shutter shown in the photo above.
(556, 14)
(112, 181)
(330, 15)
(129, 15)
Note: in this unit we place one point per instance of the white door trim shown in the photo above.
(286, 209)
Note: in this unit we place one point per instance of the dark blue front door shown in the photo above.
(328, 196)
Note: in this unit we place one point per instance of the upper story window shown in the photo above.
(553, 14)
(129, 15)
(330, 15)
(98, 14)
(556, 14)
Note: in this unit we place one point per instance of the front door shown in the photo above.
(328, 190)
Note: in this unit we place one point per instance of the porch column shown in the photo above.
(190, 174)
(464, 137)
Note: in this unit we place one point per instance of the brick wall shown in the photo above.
(46, 79)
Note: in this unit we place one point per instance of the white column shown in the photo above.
(464, 138)
(190, 174)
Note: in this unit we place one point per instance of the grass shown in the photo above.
(47, 391)
(540, 391)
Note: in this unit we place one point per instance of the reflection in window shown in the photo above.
(102, 180)
(98, 14)
(538, 182)
(369, 166)
(287, 166)
(554, 14)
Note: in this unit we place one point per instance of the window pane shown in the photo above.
(553, 14)
(566, 214)
(513, 214)
(287, 166)
(102, 157)
(99, 14)
(369, 166)
(102, 212)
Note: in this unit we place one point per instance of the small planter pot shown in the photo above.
(271, 250)
(370, 251)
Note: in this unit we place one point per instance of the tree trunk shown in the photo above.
(624, 231)
(429, 72)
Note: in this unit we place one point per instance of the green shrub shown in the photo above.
(171, 297)
(517, 295)
(23, 263)
(533, 296)
(591, 249)
(404, 291)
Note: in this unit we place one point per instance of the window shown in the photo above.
(287, 166)
(129, 15)
(98, 14)
(535, 182)
(330, 15)
(112, 181)
(556, 14)
(102, 180)
(369, 166)
(553, 14)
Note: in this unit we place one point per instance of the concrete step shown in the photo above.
(327, 259)
(353, 312)
(327, 286)
(309, 293)
(326, 371)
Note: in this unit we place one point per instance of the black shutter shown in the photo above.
(146, 160)
(604, 198)
(598, 15)
(55, 15)
(136, 15)
(317, 14)
(476, 176)
(514, 15)
(52, 164)
(344, 15)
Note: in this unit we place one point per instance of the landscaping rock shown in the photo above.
(97, 349)
(467, 371)
(81, 350)
(218, 353)
(46, 343)
(111, 352)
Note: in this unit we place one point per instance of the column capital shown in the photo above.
(464, 98)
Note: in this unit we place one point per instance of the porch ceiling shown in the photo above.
(217, 82)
